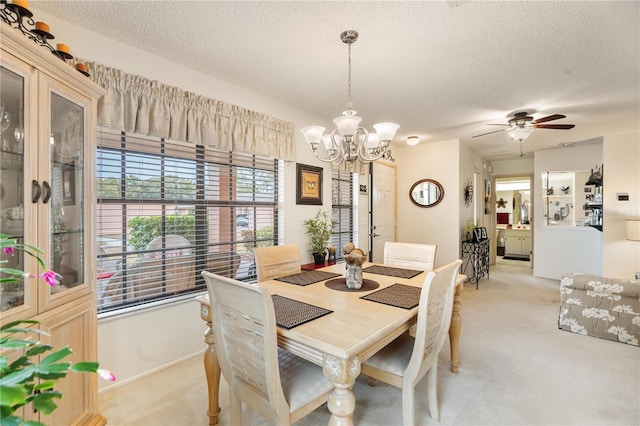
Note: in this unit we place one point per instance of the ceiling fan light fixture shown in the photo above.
(519, 133)
(413, 140)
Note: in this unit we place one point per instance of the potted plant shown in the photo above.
(319, 228)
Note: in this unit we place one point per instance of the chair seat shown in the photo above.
(394, 358)
(301, 380)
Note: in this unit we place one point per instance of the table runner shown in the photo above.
(398, 295)
(392, 271)
(307, 277)
(291, 313)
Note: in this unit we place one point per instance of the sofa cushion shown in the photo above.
(608, 308)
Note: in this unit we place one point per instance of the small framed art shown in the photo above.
(309, 184)
(480, 234)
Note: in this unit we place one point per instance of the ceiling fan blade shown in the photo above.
(493, 124)
(495, 131)
(549, 118)
(554, 126)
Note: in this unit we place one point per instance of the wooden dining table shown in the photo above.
(339, 342)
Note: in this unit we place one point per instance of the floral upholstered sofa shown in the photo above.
(608, 308)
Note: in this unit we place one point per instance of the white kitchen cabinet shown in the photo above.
(517, 242)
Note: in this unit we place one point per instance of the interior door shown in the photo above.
(383, 212)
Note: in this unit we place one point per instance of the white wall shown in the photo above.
(433, 225)
(621, 256)
(562, 249)
(135, 345)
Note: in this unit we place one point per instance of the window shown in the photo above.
(168, 210)
(342, 209)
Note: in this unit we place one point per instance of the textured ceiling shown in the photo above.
(441, 69)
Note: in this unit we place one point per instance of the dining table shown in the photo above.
(338, 328)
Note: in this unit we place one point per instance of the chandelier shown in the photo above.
(348, 142)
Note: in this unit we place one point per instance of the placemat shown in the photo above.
(307, 277)
(391, 271)
(398, 295)
(340, 284)
(291, 313)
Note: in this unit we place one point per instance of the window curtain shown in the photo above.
(139, 105)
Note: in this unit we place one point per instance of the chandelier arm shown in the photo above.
(363, 157)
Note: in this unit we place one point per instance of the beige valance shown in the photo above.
(139, 105)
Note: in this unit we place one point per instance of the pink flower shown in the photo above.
(106, 374)
(50, 277)
(8, 250)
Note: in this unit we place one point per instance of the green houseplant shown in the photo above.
(319, 229)
(28, 368)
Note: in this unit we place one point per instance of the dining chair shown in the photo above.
(277, 384)
(276, 261)
(410, 255)
(406, 360)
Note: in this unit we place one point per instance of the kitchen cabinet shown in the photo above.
(47, 199)
(517, 242)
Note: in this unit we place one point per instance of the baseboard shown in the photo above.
(119, 383)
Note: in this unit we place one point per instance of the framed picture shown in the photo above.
(480, 234)
(363, 189)
(68, 184)
(309, 184)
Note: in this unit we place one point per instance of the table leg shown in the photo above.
(454, 330)
(211, 368)
(342, 402)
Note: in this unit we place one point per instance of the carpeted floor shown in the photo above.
(517, 369)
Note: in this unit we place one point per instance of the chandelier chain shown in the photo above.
(349, 80)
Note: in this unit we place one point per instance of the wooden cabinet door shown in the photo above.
(73, 327)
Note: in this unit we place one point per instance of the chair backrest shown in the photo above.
(181, 245)
(434, 318)
(411, 255)
(276, 261)
(246, 341)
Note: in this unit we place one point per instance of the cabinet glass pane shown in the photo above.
(67, 172)
(11, 179)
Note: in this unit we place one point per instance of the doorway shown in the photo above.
(383, 211)
(512, 213)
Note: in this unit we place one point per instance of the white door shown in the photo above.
(383, 218)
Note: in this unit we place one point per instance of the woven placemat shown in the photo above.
(398, 295)
(307, 277)
(391, 271)
(340, 284)
(291, 313)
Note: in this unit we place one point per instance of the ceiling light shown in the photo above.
(413, 140)
(519, 133)
(349, 142)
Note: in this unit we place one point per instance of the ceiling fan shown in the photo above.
(521, 125)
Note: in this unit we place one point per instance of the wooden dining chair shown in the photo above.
(406, 360)
(410, 255)
(277, 384)
(276, 261)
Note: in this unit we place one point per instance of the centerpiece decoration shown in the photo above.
(354, 257)
(319, 229)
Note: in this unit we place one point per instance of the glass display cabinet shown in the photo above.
(47, 198)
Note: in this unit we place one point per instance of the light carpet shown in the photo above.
(517, 368)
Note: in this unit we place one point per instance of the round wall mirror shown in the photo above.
(426, 193)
